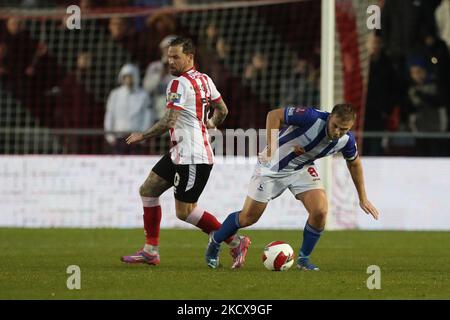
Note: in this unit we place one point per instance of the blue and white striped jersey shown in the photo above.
(305, 139)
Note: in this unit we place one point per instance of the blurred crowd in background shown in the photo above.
(117, 82)
(409, 75)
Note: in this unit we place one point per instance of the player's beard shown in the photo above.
(175, 72)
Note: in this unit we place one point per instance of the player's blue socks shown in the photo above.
(310, 237)
(229, 227)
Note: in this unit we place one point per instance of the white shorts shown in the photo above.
(266, 186)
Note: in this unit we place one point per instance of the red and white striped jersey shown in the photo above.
(192, 93)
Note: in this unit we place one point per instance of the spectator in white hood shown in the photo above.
(127, 109)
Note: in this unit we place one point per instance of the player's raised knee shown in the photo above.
(182, 215)
(246, 220)
(184, 210)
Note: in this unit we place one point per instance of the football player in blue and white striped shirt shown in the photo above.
(296, 137)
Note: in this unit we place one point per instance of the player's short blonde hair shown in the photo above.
(344, 112)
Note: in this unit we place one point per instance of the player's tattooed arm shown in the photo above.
(220, 113)
(167, 121)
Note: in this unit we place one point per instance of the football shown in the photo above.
(278, 256)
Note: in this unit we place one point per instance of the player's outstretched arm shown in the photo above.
(167, 121)
(220, 113)
(356, 171)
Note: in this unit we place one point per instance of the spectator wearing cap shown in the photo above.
(427, 112)
(401, 23)
(437, 57)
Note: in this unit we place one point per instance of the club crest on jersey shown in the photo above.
(173, 97)
(313, 172)
(296, 110)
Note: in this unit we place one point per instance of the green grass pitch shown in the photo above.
(414, 265)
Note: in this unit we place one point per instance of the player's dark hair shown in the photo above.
(186, 43)
(344, 112)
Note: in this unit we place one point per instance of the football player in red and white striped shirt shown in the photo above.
(187, 166)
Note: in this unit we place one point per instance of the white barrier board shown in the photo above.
(102, 191)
